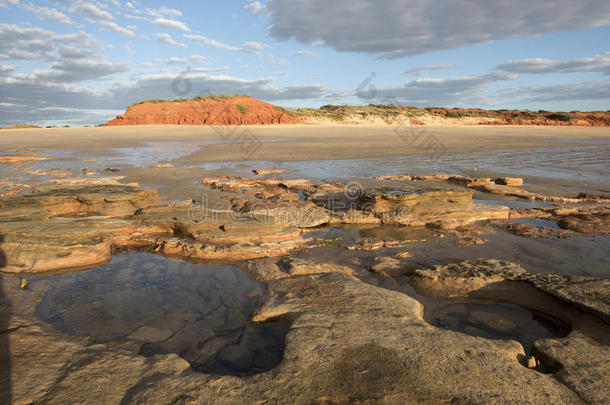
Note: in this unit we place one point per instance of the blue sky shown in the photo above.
(83, 62)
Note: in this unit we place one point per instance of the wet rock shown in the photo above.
(509, 181)
(506, 190)
(149, 334)
(531, 231)
(298, 267)
(582, 363)
(98, 181)
(469, 277)
(388, 266)
(301, 215)
(404, 255)
(262, 172)
(595, 223)
(111, 170)
(87, 172)
(24, 284)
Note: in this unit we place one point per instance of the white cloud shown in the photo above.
(112, 26)
(172, 61)
(395, 28)
(28, 43)
(167, 39)
(255, 8)
(434, 91)
(76, 53)
(73, 71)
(90, 9)
(255, 46)
(211, 42)
(47, 13)
(419, 70)
(164, 22)
(5, 3)
(52, 101)
(197, 58)
(6, 69)
(593, 90)
(305, 52)
(163, 12)
(208, 70)
(596, 63)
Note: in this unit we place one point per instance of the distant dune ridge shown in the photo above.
(244, 110)
(214, 110)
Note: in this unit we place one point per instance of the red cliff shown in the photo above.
(238, 110)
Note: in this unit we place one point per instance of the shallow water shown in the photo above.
(536, 222)
(490, 320)
(200, 312)
(585, 256)
(571, 163)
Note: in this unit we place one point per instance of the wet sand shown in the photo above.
(565, 159)
(303, 142)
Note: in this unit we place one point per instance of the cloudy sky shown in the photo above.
(83, 62)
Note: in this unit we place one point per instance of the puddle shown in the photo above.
(351, 233)
(536, 222)
(583, 256)
(491, 321)
(201, 313)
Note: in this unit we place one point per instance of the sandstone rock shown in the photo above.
(469, 277)
(262, 172)
(388, 266)
(531, 231)
(506, 190)
(509, 181)
(22, 158)
(398, 177)
(99, 181)
(587, 222)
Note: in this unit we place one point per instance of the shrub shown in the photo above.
(241, 108)
(559, 117)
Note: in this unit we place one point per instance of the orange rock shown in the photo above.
(208, 111)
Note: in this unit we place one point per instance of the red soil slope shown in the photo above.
(236, 110)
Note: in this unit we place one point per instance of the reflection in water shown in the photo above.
(200, 312)
(536, 222)
(584, 256)
(490, 320)
(569, 163)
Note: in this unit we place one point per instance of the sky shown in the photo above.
(75, 62)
